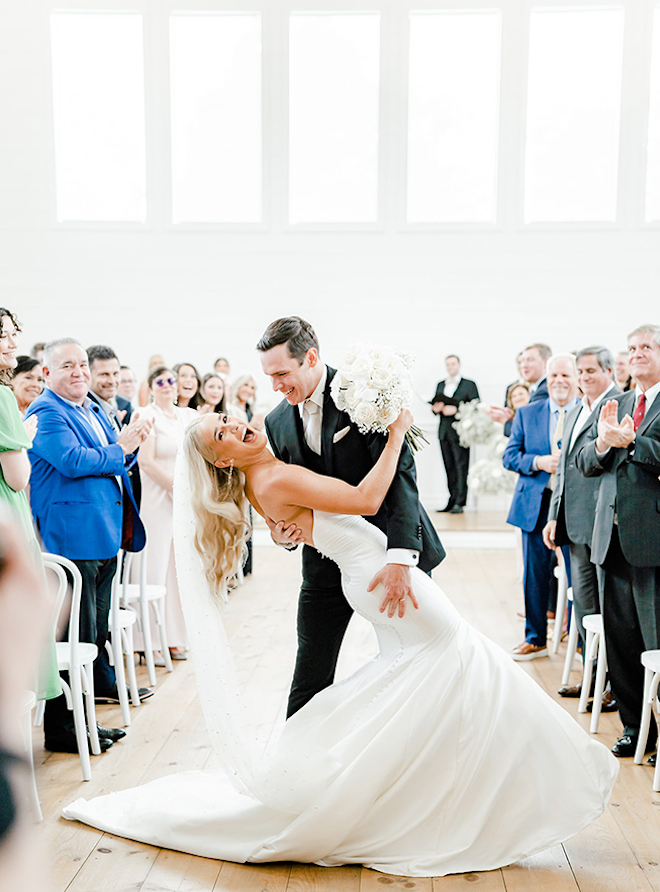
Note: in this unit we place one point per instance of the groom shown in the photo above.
(307, 429)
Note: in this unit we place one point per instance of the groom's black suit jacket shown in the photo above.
(401, 517)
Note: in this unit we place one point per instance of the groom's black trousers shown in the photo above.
(323, 615)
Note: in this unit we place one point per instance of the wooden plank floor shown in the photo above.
(619, 853)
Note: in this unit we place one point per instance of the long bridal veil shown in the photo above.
(226, 711)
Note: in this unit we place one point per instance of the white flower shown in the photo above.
(366, 393)
(364, 414)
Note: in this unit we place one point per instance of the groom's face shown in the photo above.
(294, 380)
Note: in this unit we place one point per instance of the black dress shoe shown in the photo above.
(608, 703)
(67, 743)
(113, 734)
(457, 509)
(627, 744)
(112, 696)
(446, 509)
(652, 759)
(574, 690)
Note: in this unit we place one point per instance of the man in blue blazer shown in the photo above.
(83, 507)
(533, 453)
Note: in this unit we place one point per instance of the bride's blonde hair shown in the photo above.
(220, 509)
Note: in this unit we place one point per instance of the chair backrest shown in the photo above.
(116, 594)
(128, 558)
(58, 564)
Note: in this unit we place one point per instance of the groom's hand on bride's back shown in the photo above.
(398, 587)
(288, 537)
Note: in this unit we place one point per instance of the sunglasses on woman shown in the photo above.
(161, 382)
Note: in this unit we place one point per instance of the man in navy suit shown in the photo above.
(83, 508)
(533, 453)
(532, 364)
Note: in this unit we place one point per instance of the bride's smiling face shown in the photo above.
(228, 438)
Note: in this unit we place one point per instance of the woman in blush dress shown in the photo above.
(212, 394)
(433, 758)
(156, 458)
(27, 382)
(188, 384)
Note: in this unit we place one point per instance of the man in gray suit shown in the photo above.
(571, 512)
(624, 450)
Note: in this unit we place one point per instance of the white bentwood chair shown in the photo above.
(139, 597)
(77, 658)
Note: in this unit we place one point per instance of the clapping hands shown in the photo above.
(613, 433)
(135, 433)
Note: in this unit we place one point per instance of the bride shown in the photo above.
(439, 756)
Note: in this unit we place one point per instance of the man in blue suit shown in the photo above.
(533, 453)
(83, 508)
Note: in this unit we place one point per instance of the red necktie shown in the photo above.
(639, 411)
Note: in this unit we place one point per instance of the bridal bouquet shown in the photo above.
(372, 385)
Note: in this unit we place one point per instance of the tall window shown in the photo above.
(653, 157)
(573, 104)
(453, 104)
(333, 117)
(98, 98)
(216, 117)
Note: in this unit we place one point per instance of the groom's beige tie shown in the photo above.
(312, 425)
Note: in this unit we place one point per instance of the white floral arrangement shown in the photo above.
(474, 427)
(489, 477)
(372, 385)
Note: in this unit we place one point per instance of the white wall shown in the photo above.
(195, 294)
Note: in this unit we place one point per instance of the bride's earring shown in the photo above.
(231, 469)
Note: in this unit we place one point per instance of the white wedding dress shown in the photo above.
(439, 756)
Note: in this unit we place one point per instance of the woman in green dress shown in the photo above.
(15, 440)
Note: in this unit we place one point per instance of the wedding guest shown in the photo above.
(104, 371)
(531, 363)
(622, 375)
(570, 520)
(244, 390)
(27, 382)
(533, 453)
(517, 396)
(38, 351)
(221, 367)
(155, 362)
(82, 510)
(156, 458)
(212, 393)
(16, 438)
(449, 394)
(188, 385)
(623, 449)
(127, 388)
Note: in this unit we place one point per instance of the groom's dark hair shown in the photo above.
(298, 335)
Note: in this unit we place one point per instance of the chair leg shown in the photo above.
(33, 793)
(127, 639)
(599, 687)
(571, 649)
(560, 610)
(588, 670)
(79, 722)
(118, 655)
(39, 713)
(91, 710)
(159, 614)
(148, 643)
(651, 680)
